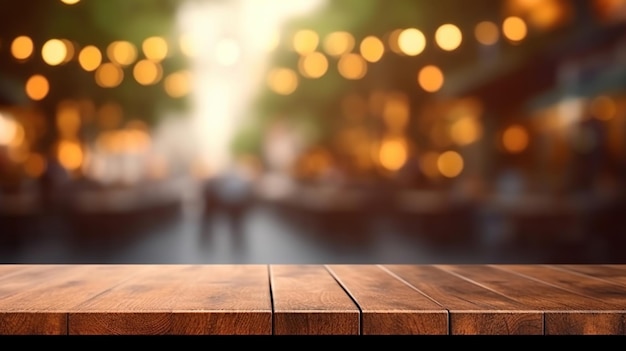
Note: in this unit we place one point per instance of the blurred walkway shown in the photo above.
(263, 235)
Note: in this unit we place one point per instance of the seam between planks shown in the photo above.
(405, 282)
(332, 274)
(269, 280)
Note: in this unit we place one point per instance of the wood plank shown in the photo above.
(388, 305)
(309, 301)
(612, 273)
(473, 309)
(565, 312)
(10, 269)
(606, 322)
(36, 301)
(182, 300)
(606, 291)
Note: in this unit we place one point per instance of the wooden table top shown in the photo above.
(476, 299)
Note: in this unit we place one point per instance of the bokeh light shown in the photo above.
(54, 52)
(313, 65)
(22, 47)
(109, 75)
(448, 37)
(411, 41)
(70, 154)
(178, 84)
(147, 72)
(352, 66)
(155, 48)
(514, 28)
(305, 41)
(8, 130)
(338, 43)
(603, 108)
(450, 164)
(90, 58)
(466, 130)
(372, 48)
(37, 87)
(122, 52)
(515, 138)
(393, 153)
(487, 33)
(283, 81)
(430, 78)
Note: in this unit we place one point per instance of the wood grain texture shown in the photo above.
(474, 310)
(610, 273)
(477, 299)
(309, 301)
(182, 300)
(37, 300)
(610, 321)
(388, 305)
(564, 310)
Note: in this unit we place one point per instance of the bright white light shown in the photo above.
(227, 52)
(230, 41)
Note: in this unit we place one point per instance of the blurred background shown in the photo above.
(313, 131)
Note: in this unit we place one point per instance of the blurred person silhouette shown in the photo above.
(233, 195)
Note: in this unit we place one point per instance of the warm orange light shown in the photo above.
(22, 47)
(450, 164)
(338, 43)
(430, 78)
(392, 41)
(90, 58)
(393, 153)
(122, 52)
(352, 66)
(313, 65)
(68, 120)
(178, 84)
(372, 48)
(8, 130)
(109, 75)
(514, 28)
(515, 139)
(37, 87)
(603, 108)
(465, 130)
(305, 41)
(70, 155)
(283, 81)
(70, 50)
(486, 33)
(396, 112)
(155, 48)
(147, 72)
